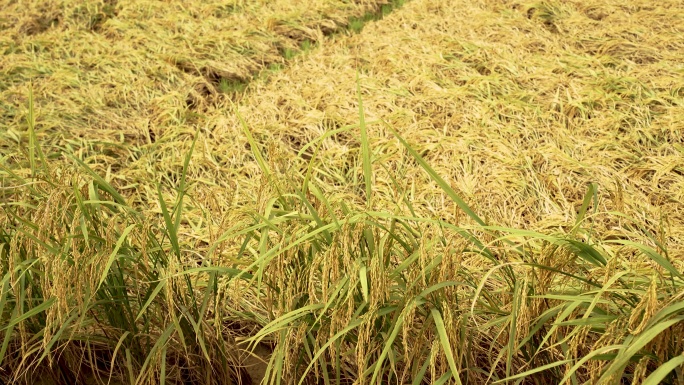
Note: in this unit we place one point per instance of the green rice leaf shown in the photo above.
(634, 346)
(114, 254)
(664, 370)
(438, 179)
(365, 147)
(446, 345)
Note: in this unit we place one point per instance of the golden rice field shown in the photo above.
(341, 192)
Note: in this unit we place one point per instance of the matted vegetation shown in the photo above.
(460, 192)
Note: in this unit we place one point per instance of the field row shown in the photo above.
(103, 69)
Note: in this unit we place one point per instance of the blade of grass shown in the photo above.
(260, 158)
(181, 189)
(151, 298)
(664, 370)
(162, 374)
(101, 183)
(363, 279)
(590, 194)
(444, 378)
(4, 305)
(15, 320)
(666, 312)
(583, 360)
(32, 135)
(57, 335)
(634, 346)
(353, 325)
(446, 345)
(534, 371)
(388, 346)
(654, 255)
(515, 306)
(129, 367)
(170, 228)
(34, 146)
(114, 254)
(282, 322)
(116, 350)
(365, 147)
(161, 341)
(418, 379)
(438, 179)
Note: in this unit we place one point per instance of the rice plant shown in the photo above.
(456, 192)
